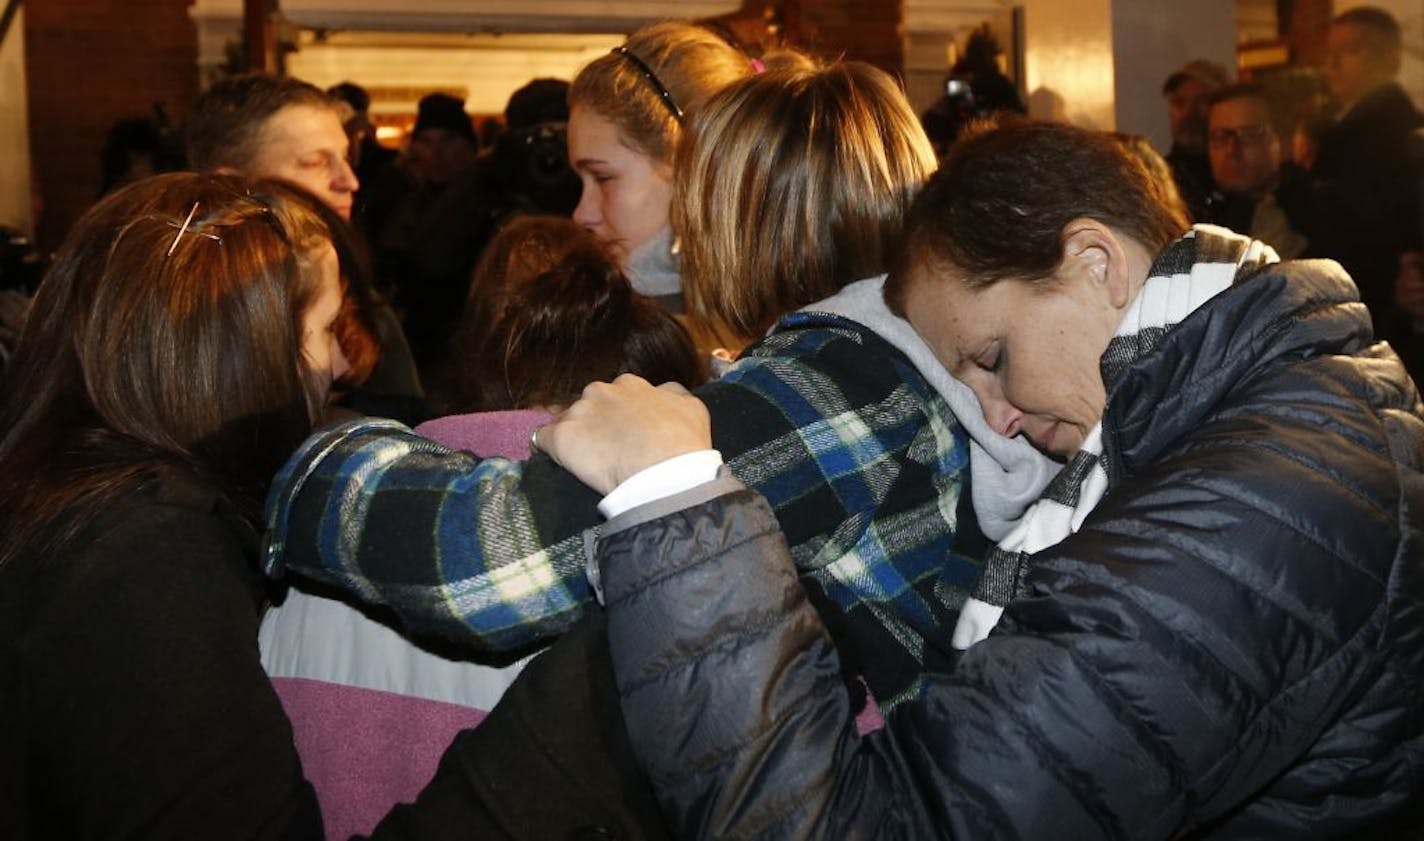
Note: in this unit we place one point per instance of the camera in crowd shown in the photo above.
(532, 164)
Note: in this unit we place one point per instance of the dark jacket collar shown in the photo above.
(1293, 309)
(1386, 100)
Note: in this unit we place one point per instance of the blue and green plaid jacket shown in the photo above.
(863, 462)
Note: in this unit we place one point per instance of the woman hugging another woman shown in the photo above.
(840, 415)
(180, 347)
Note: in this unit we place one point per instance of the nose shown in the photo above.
(586, 213)
(1003, 418)
(345, 180)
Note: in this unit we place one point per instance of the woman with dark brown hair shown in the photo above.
(180, 347)
(549, 312)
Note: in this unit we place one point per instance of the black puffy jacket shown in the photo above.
(1231, 647)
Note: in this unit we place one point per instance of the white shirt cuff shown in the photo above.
(668, 477)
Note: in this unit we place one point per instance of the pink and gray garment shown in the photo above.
(371, 711)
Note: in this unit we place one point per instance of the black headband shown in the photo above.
(658, 87)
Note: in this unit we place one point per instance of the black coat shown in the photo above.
(134, 703)
(1232, 645)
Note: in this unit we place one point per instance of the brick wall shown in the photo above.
(866, 30)
(90, 63)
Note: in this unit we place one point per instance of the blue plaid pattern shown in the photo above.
(863, 462)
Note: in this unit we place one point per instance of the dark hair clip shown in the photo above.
(653, 79)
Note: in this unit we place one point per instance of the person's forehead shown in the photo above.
(1190, 89)
(1349, 36)
(935, 300)
(303, 125)
(596, 138)
(1239, 110)
(589, 126)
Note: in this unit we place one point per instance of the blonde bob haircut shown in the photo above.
(690, 62)
(791, 184)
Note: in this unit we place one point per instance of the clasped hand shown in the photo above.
(617, 429)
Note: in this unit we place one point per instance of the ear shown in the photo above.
(1393, 61)
(663, 170)
(1097, 253)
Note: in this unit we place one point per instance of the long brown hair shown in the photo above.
(549, 312)
(790, 185)
(167, 335)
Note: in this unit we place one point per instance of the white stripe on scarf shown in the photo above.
(1190, 272)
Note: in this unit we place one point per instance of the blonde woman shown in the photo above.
(627, 110)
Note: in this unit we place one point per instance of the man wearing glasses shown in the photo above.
(1253, 192)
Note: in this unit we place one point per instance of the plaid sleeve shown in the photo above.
(866, 468)
(489, 553)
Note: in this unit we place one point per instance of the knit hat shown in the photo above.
(541, 101)
(1207, 72)
(439, 110)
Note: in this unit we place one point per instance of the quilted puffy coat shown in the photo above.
(1231, 647)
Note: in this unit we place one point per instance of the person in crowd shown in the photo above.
(1188, 93)
(526, 172)
(178, 350)
(1368, 182)
(976, 89)
(368, 156)
(182, 344)
(627, 111)
(549, 311)
(274, 127)
(443, 142)
(409, 201)
(840, 415)
(1254, 192)
(266, 126)
(1213, 613)
(137, 147)
(371, 712)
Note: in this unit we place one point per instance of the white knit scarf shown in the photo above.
(1190, 272)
